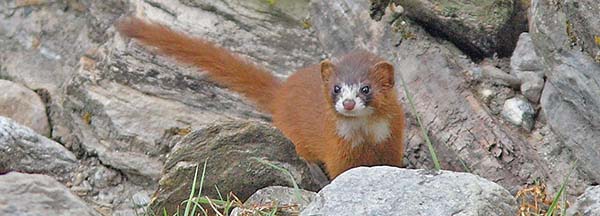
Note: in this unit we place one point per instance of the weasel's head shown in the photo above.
(358, 84)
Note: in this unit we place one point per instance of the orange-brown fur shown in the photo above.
(299, 106)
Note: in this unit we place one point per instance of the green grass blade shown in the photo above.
(436, 162)
(218, 192)
(563, 185)
(188, 203)
(201, 184)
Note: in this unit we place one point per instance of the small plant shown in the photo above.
(434, 158)
(534, 200)
(197, 204)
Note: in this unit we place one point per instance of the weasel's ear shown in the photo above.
(326, 70)
(383, 72)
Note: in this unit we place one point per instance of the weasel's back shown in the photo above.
(300, 111)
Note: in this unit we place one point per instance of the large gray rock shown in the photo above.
(527, 66)
(23, 150)
(478, 28)
(395, 191)
(588, 204)
(41, 41)
(525, 58)
(34, 194)
(286, 199)
(562, 34)
(532, 85)
(231, 150)
(24, 106)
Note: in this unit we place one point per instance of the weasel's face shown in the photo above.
(352, 99)
(358, 85)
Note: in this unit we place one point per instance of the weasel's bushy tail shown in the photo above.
(222, 66)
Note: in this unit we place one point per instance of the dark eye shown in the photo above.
(336, 89)
(365, 89)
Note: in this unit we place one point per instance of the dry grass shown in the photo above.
(534, 201)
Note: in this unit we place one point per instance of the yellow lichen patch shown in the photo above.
(183, 131)
(25, 3)
(87, 118)
(306, 24)
(271, 2)
(597, 40)
(571, 34)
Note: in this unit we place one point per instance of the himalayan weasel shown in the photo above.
(343, 113)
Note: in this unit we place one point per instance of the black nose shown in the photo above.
(349, 104)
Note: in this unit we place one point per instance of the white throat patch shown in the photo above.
(359, 131)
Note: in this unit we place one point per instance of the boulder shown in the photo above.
(527, 66)
(519, 111)
(525, 58)
(532, 87)
(478, 28)
(24, 106)
(587, 204)
(23, 150)
(35, 194)
(395, 191)
(232, 150)
(288, 201)
(563, 37)
(41, 42)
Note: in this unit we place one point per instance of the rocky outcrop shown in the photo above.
(121, 109)
(24, 106)
(527, 66)
(478, 28)
(23, 150)
(230, 150)
(395, 191)
(587, 204)
(563, 33)
(34, 194)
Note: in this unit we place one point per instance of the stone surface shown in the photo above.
(395, 191)
(230, 150)
(525, 58)
(34, 194)
(286, 199)
(519, 112)
(24, 106)
(477, 28)
(41, 41)
(498, 76)
(23, 150)
(588, 204)
(563, 38)
(527, 66)
(532, 86)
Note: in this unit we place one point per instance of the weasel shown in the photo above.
(343, 113)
